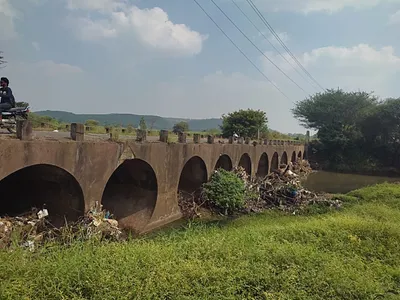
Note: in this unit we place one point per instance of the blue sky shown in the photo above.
(167, 58)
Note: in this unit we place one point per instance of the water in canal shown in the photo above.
(331, 182)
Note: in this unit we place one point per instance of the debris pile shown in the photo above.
(34, 228)
(281, 189)
(301, 168)
(286, 193)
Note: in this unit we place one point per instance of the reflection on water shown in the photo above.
(330, 182)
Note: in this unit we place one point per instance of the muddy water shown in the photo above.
(331, 182)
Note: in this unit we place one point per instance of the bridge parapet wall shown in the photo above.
(174, 165)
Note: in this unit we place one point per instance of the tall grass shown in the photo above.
(348, 254)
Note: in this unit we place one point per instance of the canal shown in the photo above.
(330, 182)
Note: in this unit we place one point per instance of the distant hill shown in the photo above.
(156, 122)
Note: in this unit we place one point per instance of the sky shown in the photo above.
(168, 58)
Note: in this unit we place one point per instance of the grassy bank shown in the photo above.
(349, 254)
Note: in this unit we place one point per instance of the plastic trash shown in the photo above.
(42, 214)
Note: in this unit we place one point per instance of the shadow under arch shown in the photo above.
(224, 162)
(284, 158)
(245, 163)
(43, 184)
(263, 166)
(131, 194)
(275, 162)
(300, 155)
(294, 157)
(193, 175)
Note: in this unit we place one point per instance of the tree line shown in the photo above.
(356, 131)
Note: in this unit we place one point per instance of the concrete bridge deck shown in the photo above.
(137, 182)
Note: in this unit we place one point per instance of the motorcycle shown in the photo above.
(10, 117)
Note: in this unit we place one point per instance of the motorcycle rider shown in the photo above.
(7, 98)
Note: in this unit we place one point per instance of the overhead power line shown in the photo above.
(267, 39)
(271, 29)
(240, 50)
(255, 46)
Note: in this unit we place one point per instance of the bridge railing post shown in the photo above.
(24, 130)
(182, 137)
(164, 136)
(241, 140)
(114, 134)
(210, 139)
(141, 135)
(231, 140)
(247, 141)
(77, 132)
(196, 138)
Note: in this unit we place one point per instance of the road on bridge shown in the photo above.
(64, 135)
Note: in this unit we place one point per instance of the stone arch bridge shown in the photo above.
(137, 182)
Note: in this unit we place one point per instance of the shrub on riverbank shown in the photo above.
(225, 190)
(351, 254)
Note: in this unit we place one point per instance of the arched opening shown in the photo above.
(300, 155)
(245, 163)
(263, 166)
(284, 159)
(193, 175)
(304, 155)
(42, 185)
(275, 162)
(224, 162)
(131, 194)
(294, 157)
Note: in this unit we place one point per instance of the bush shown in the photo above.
(225, 190)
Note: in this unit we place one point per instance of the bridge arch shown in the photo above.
(224, 162)
(263, 165)
(300, 155)
(193, 175)
(245, 163)
(131, 194)
(284, 158)
(275, 162)
(42, 185)
(294, 158)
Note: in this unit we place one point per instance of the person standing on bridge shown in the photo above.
(7, 98)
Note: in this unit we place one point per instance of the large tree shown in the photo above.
(245, 123)
(345, 122)
(181, 127)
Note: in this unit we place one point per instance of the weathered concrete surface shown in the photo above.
(153, 200)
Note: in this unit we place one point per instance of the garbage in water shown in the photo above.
(32, 229)
(281, 189)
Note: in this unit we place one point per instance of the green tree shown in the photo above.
(338, 117)
(181, 127)
(381, 131)
(246, 123)
(142, 124)
(92, 123)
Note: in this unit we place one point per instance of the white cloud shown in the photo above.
(395, 18)
(97, 5)
(36, 46)
(40, 83)
(7, 18)
(284, 36)
(151, 27)
(359, 67)
(309, 6)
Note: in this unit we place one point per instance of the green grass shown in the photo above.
(349, 254)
